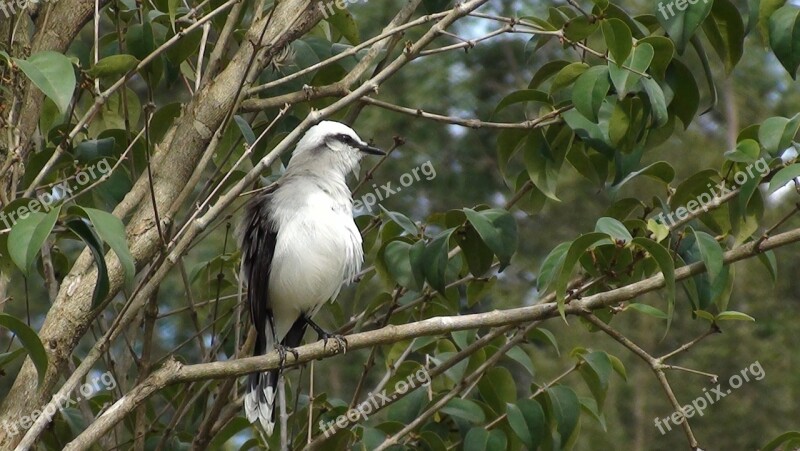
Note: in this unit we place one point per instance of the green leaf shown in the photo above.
(647, 310)
(517, 422)
(619, 39)
(580, 28)
(618, 366)
(625, 78)
(498, 229)
(30, 341)
(478, 255)
(112, 231)
(596, 373)
(497, 440)
(114, 65)
(542, 166)
(564, 408)
(746, 151)
(667, 266)
(466, 409)
(344, 23)
(724, 29)
(704, 315)
(402, 220)
(551, 266)
(615, 229)
(93, 149)
(29, 234)
(80, 227)
(711, 253)
(787, 438)
(660, 170)
(686, 95)
(765, 10)
(784, 37)
(172, 6)
(244, 127)
(782, 177)
(680, 24)
(664, 51)
(588, 131)
(52, 73)
(734, 316)
(535, 420)
(589, 91)
(497, 388)
(519, 355)
(524, 95)
(576, 250)
(435, 260)
(769, 260)
(547, 70)
(658, 104)
(567, 76)
(777, 133)
(477, 439)
(398, 263)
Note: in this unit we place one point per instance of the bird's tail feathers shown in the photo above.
(259, 399)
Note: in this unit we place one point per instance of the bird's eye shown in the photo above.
(346, 139)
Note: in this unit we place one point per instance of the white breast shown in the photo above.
(318, 248)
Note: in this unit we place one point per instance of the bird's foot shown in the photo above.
(340, 340)
(283, 351)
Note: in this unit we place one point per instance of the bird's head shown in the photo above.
(331, 145)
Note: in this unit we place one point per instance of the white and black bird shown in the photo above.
(299, 245)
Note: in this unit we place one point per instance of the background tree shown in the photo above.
(547, 140)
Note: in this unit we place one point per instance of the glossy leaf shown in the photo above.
(464, 408)
(29, 234)
(711, 252)
(565, 409)
(615, 229)
(777, 133)
(435, 260)
(589, 91)
(52, 73)
(724, 29)
(626, 77)
(112, 231)
(80, 227)
(498, 229)
(619, 39)
(783, 177)
(784, 37)
(680, 23)
(30, 341)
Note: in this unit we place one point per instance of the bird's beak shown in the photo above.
(366, 148)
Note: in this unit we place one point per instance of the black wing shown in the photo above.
(257, 242)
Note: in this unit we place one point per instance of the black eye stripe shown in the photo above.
(346, 139)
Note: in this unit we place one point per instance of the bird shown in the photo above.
(299, 245)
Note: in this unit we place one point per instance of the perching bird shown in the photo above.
(299, 245)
